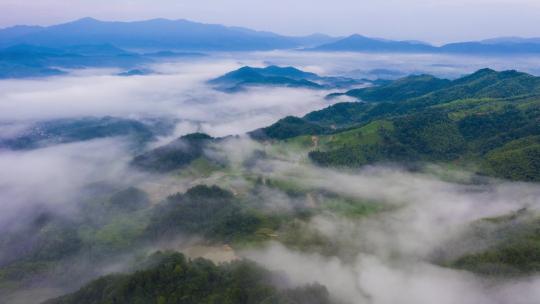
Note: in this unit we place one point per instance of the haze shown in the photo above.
(176, 162)
(435, 21)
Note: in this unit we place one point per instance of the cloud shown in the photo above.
(179, 91)
(393, 252)
(371, 279)
(429, 211)
(54, 177)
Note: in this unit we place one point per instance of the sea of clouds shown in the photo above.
(393, 252)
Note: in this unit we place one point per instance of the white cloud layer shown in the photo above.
(393, 252)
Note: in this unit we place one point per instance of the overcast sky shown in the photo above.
(430, 20)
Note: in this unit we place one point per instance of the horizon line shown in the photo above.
(266, 31)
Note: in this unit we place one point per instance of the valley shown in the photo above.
(275, 169)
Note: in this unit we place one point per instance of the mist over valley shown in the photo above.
(252, 167)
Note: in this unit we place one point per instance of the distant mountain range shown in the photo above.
(23, 60)
(34, 51)
(31, 61)
(187, 35)
(359, 43)
(497, 46)
(156, 33)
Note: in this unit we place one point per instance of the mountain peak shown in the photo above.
(278, 68)
(358, 42)
(356, 36)
(86, 20)
(484, 71)
(243, 73)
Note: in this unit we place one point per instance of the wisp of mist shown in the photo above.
(389, 258)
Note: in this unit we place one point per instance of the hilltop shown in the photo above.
(488, 120)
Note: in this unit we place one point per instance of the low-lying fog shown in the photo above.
(392, 252)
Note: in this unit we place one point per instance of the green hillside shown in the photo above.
(247, 76)
(513, 250)
(488, 121)
(426, 89)
(270, 76)
(174, 155)
(401, 89)
(173, 278)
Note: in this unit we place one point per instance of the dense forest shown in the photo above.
(489, 120)
(172, 278)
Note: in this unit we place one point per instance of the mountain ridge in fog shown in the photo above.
(156, 33)
(312, 200)
(195, 36)
(489, 118)
(286, 76)
(495, 46)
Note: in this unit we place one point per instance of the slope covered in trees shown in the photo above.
(60, 131)
(512, 250)
(175, 279)
(426, 89)
(488, 120)
(174, 155)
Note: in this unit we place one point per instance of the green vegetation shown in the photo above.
(352, 208)
(516, 160)
(109, 222)
(175, 155)
(516, 250)
(174, 279)
(504, 142)
(413, 120)
(270, 76)
(60, 131)
(289, 127)
(208, 211)
(340, 115)
(244, 77)
(300, 236)
(25, 258)
(426, 89)
(201, 167)
(489, 118)
(401, 89)
(114, 222)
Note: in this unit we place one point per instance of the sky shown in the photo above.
(435, 21)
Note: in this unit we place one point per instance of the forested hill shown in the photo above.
(247, 76)
(485, 83)
(175, 279)
(488, 121)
